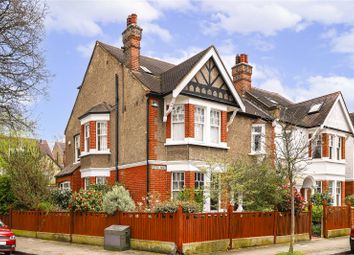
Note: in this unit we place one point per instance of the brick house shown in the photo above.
(157, 124)
(58, 153)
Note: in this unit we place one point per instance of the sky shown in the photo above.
(300, 49)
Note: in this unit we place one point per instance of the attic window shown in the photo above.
(145, 69)
(273, 101)
(315, 108)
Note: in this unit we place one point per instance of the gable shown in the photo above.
(209, 83)
(337, 118)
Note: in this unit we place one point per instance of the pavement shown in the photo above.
(318, 246)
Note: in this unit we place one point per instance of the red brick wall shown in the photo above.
(160, 182)
(189, 179)
(168, 126)
(349, 188)
(223, 126)
(343, 193)
(134, 180)
(153, 114)
(75, 180)
(325, 145)
(92, 134)
(189, 120)
(343, 147)
(325, 186)
(82, 139)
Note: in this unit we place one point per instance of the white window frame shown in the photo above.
(179, 122)
(201, 123)
(331, 189)
(262, 140)
(214, 125)
(65, 185)
(177, 177)
(339, 148)
(199, 180)
(212, 176)
(87, 137)
(77, 149)
(338, 195)
(318, 187)
(331, 144)
(86, 183)
(101, 136)
(317, 140)
(101, 180)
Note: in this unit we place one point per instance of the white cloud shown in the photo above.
(344, 43)
(86, 49)
(155, 29)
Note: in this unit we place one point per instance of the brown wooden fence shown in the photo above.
(336, 217)
(172, 227)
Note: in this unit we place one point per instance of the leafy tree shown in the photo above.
(22, 66)
(28, 169)
(6, 194)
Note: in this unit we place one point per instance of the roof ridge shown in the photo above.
(336, 92)
(260, 109)
(274, 93)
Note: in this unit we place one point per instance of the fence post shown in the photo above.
(349, 214)
(179, 216)
(230, 210)
(310, 219)
(71, 227)
(275, 225)
(324, 219)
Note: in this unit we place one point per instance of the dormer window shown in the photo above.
(315, 108)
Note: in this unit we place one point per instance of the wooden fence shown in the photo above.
(336, 217)
(176, 227)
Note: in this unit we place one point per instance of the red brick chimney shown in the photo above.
(131, 43)
(242, 74)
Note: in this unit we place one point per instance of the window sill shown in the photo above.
(319, 160)
(212, 145)
(256, 153)
(84, 154)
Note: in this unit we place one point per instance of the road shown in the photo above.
(30, 246)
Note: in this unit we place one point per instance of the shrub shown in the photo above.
(6, 194)
(46, 206)
(87, 201)
(118, 199)
(317, 211)
(61, 198)
(104, 188)
(318, 198)
(285, 205)
(195, 196)
(350, 199)
(172, 206)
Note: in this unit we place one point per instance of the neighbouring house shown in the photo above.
(153, 126)
(58, 153)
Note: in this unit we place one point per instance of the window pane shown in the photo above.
(199, 118)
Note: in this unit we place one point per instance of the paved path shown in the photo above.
(317, 246)
(30, 246)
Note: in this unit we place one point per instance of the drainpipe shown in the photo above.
(147, 146)
(117, 129)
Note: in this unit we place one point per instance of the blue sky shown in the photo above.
(301, 49)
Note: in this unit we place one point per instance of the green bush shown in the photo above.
(61, 198)
(46, 206)
(316, 229)
(87, 201)
(285, 205)
(350, 199)
(118, 199)
(317, 211)
(195, 196)
(104, 188)
(318, 198)
(172, 206)
(6, 195)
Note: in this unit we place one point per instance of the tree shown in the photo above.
(22, 66)
(291, 159)
(28, 169)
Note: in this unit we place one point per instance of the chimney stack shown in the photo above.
(242, 74)
(131, 43)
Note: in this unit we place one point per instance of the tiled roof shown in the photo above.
(68, 170)
(99, 108)
(44, 148)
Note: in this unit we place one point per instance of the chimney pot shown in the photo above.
(134, 18)
(237, 59)
(243, 58)
(129, 20)
(242, 76)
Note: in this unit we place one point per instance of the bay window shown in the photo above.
(100, 180)
(77, 148)
(178, 122)
(64, 185)
(199, 120)
(214, 126)
(87, 137)
(198, 180)
(318, 186)
(86, 183)
(338, 192)
(101, 136)
(177, 183)
(331, 188)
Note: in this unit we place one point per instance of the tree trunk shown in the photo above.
(292, 235)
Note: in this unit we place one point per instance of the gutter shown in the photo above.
(147, 145)
(117, 128)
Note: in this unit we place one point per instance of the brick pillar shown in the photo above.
(189, 120)
(325, 186)
(189, 180)
(82, 138)
(325, 145)
(343, 147)
(168, 126)
(92, 134)
(224, 126)
(349, 188)
(343, 193)
(153, 114)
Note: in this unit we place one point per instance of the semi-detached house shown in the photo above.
(157, 124)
